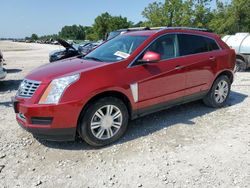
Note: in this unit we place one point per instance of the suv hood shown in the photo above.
(48, 72)
(65, 44)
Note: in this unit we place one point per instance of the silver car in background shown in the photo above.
(3, 72)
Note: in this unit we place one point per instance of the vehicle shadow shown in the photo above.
(154, 122)
(6, 104)
(9, 85)
(10, 71)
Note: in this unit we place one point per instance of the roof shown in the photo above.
(199, 31)
(142, 32)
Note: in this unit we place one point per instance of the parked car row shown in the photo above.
(46, 41)
(134, 74)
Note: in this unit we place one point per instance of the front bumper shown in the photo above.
(49, 122)
(63, 134)
(3, 73)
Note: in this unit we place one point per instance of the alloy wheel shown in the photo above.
(106, 122)
(221, 91)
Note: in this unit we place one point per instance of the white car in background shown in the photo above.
(3, 72)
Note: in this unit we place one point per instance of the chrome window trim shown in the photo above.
(176, 33)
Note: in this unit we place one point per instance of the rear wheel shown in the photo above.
(218, 94)
(104, 122)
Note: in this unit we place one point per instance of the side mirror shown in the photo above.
(150, 57)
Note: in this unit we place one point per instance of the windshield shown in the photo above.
(116, 49)
(113, 34)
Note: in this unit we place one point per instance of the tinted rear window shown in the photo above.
(192, 44)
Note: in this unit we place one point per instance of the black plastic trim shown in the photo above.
(169, 104)
(41, 120)
(60, 134)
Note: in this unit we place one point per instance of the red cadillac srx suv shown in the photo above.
(129, 76)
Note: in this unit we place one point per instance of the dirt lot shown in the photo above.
(186, 146)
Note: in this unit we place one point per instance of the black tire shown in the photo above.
(240, 65)
(85, 122)
(210, 99)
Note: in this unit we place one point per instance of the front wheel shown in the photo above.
(104, 121)
(218, 94)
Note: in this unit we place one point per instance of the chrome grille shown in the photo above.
(27, 88)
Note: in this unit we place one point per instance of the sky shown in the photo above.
(21, 18)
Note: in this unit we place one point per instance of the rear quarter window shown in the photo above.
(212, 45)
(193, 44)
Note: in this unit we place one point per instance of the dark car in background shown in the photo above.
(71, 50)
(88, 47)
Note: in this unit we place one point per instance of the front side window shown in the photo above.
(117, 49)
(166, 46)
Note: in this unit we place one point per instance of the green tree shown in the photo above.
(202, 14)
(170, 13)
(90, 34)
(231, 18)
(34, 37)
(155, 15)
(178, 13)
(73, 32)
(240, 11)
(101, 25)
(105, 23)
(138, 24)
(47, 37)
(118, 22)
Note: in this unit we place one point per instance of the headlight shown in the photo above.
(56, 88)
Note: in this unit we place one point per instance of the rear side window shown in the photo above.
(212, 45)
(192, 44)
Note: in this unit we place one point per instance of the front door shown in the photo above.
(161, 81)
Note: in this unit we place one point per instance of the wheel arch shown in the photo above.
(238, 56)
(110, 93)
(227, 73)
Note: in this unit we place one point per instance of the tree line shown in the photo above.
(225, 18)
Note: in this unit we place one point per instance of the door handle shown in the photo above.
(178, 67)
(212, 58)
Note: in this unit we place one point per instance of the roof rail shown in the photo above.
(163, 28)
(188, 28)
(134, 29)
(141, 28)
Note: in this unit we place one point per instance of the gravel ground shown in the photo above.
(186, 146)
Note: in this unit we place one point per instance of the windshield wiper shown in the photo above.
(92, 58)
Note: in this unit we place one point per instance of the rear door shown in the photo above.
(199, 56)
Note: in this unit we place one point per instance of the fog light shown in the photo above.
(22, 116)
